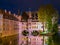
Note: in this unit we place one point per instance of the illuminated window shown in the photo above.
(1, 16)
(32, 15)
(0, 29)
(34, 23)
(34, 26)
(0, 23)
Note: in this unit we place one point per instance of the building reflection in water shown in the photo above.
(12, 27)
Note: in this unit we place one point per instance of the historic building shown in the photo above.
(21, 29)
(8, 28)
(30, 27)
(32, 24)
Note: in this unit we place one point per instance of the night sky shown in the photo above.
(24, 5)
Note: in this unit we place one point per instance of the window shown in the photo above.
(1, 16)
(36, 16)
(16, 25)
(22, 23)
(0, 23)
(4, 28)
(34, 23)
(34, 27)
(32, 15)
(0, 29)
(16, 28)
(29, 23)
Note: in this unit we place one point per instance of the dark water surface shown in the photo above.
(53, 40)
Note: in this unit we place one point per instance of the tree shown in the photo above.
(46, 14)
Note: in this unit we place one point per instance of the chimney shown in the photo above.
(9, 12)
(14, 14)
(5, 11)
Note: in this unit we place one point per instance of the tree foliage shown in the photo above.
(45, 14)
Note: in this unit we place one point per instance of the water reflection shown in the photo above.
(52, 40)
(56, 38)
(48, 40)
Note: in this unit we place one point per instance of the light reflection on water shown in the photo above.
(48, 40)
(52, 40)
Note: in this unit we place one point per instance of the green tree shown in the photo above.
(45, 15)
(48, 16)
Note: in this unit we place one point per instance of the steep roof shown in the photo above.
(8, 16)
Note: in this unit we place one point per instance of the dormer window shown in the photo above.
(36, 15)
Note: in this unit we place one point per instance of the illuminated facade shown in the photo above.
(9, 28)
(31, 25)
(12, 26)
